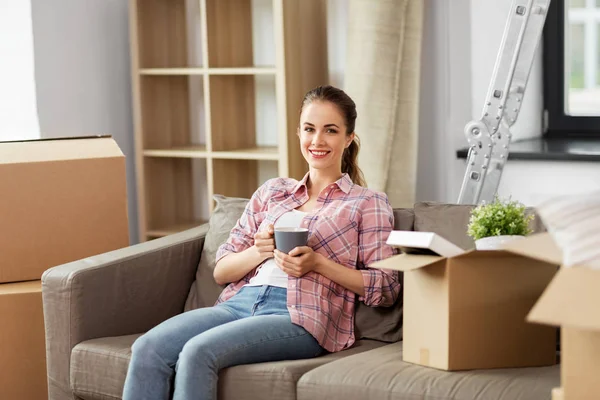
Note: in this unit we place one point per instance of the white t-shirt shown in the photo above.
(269, 273)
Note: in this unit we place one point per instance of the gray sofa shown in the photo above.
(95, 308)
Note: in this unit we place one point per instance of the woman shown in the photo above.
(282, 306)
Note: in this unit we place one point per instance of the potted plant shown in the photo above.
(495, 223)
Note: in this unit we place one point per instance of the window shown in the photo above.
(572, 68)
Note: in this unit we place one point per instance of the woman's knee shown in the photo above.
(147, 344)
(198, 350)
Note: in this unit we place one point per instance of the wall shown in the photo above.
(82, 73)
(445, 104)
(18, 114)
(533, 182)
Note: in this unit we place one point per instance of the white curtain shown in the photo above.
(383, 62)
(18, 108)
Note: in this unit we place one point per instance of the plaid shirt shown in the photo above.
(348, 225)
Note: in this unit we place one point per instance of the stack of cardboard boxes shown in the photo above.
(571, 302)
(62, 200)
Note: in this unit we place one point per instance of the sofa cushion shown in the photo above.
(381, 374)
(450, 221)
(205, 291)
(447, 220)
(404, 219)
(384, 323)
(99, 367)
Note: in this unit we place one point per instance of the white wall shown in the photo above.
(445, 103)
(18, 114)
(533, 182)
(82, 73)
(337, 23)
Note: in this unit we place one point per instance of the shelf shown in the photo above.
(172, 71)
(178, 152)
(174, 228)
(209, 71)
(255, 153)
(243, 71)
(267, 153)
(217, 85)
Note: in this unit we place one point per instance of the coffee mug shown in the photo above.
(286, 239)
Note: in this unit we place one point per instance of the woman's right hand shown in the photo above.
(264, 244)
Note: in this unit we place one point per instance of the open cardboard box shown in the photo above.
(571, 301)
(468, 311)
(62, 200)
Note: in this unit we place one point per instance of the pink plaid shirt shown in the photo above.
(348, 225)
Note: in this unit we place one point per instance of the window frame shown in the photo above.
(558, 124)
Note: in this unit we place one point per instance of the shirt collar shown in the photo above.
(344, 183)
(301, 183)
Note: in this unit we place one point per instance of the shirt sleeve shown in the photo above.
(241, 236)
(381, 285)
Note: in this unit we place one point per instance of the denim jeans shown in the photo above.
(183, 355)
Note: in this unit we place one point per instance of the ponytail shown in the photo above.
(350, 163)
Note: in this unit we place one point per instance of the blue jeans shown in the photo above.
(253, 326)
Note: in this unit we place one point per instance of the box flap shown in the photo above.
(20, 287)
(58, 149)
(484, 254)
(406, 262)
(571, 299)
(540, 246)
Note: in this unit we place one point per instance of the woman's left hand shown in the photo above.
(298, 262)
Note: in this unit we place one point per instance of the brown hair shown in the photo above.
(348, 109)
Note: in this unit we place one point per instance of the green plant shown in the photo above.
(499, 218)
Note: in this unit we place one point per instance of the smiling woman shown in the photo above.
(18, 111)
(282, 305)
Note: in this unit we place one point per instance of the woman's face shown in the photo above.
(323, 136)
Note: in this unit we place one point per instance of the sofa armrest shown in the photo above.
(117, 293)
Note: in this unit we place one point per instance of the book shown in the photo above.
(411, 242)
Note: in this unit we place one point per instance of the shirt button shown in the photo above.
(293, 306)
(293, 285)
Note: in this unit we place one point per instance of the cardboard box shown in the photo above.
(557, 394)
(468, 311)
(571, 301)
(22, 345)
(62, 200)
